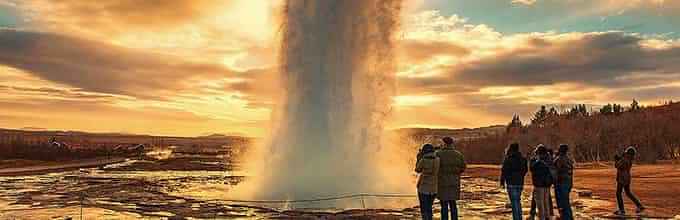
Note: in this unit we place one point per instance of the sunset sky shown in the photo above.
(195, 67)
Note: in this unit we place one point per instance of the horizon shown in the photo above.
(36, 129)
(188, 68)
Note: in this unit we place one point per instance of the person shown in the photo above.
(553, 173)
(531, 155)
(623, 180)
(565, 178)
(513, 171)
(428, 168)
(549, 162)
(541, 179)
(452, 165)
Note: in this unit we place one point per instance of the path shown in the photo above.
(95, 162)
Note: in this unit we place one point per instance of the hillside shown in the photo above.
(463, 133)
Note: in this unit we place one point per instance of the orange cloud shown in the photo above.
(121, 15)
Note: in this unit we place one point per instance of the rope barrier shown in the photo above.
(361, 195)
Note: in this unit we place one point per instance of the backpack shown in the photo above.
(548, 177)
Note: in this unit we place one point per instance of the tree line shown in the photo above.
(16, 146)
(594, 135)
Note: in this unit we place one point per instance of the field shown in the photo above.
(178, 176)
(655, 185)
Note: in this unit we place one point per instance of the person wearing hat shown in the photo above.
(452, 165)
(428, 168)
(541, 179)
(565, 181)
(623, 180)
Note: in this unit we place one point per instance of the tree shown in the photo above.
(635, 105)
(578, 110)
(514, 127)
(540, 116)
(617, 109)
(553, 112)
(516, 122)
(607, 109)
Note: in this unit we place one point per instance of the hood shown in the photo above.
(430, 154)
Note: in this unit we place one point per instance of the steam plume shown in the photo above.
(337, 70)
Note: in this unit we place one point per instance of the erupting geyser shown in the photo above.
(337, 71)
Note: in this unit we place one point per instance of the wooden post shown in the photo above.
(81, 206)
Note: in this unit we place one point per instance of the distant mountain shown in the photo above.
(216, 135)
(47, 132)
(462, 133)
(33, 129)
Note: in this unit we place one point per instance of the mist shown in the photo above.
(336, 69)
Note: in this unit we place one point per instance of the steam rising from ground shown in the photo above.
(337, 71)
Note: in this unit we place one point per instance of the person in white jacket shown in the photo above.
(427, 166)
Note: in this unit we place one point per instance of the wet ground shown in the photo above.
(147, 189)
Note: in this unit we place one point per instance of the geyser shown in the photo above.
(337, 77)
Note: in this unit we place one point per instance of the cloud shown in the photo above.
(105, 117)
(419, 51)
(480, 57)
(205, 28)
(524, 2)
(666, 7)
(588, 58)
(117, 16)
(498, 75)
(608, 7)
(157, 66)
(55, 93)
(100, 67)
(653, 94)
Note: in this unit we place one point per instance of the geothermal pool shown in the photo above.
(141, 189)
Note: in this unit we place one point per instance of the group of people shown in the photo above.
(440, 171)
(547, 170)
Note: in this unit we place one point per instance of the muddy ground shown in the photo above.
(196, 187)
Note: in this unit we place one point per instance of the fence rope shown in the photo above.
(320, 199)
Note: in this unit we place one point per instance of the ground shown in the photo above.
(656, 185)
(190, 185)
(32, 167)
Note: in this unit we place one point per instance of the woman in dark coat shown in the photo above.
(512, 175)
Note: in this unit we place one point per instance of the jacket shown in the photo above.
(565, 169)
(623, 167)
(540, 173)
(451, 166)
(514, 169)
(428, 168)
